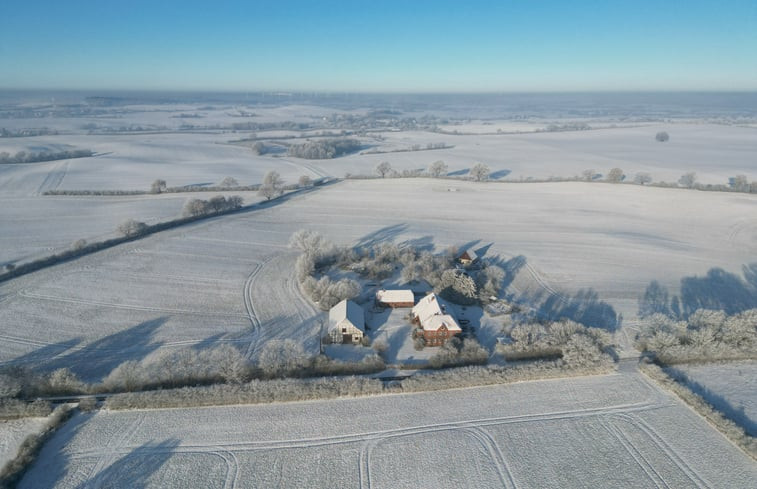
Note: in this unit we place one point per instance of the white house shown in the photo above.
(346, 323)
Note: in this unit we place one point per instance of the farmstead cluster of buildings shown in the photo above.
(347, 319)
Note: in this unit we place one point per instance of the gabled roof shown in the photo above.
(427, 307)
(394, 296)
(469, 254)
(435, 322)
(346, 312)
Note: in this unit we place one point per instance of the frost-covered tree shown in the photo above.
(458, 287)
(383, 169)
(739, 183)
(588, 175)
(271, 186)
(688, 179)
(131, 228)
(305, 181)
(479, 172)
(642, 177)
(662, 136)
(158, 186)
(229, 182)
(615, 175)
(278, 358)
(438, 169)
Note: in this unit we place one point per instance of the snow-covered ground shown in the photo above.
(34, 227)
(232, 278)
(605, 431)
(730, 387)
(13, 432)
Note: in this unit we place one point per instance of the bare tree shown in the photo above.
(642, 178)
(479, 172)
(615, 175)
(158, 186)
(588, 175)
(688, 179)
(383, 169)
(438, 169)
(131, 228)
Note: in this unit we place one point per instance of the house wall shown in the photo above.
(336, 334)
(437, 338)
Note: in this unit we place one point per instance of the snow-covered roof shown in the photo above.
(394, 296)
(346, 312)
(469, 254)
(435, 322)
(427, 307)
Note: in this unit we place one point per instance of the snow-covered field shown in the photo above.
(730, 387)
(605, 431)
(232, 278)
(34, 227)
(13, 432)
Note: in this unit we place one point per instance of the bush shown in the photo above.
(131, 228)
(662, 136)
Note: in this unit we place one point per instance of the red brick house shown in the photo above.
(436, 325)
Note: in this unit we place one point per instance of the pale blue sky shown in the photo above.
(380, 46)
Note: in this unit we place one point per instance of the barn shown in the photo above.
(346, 323)
(438, 326)
(395, 298)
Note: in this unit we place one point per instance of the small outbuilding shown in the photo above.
(346, 323)
(395, 298)
(467, 257)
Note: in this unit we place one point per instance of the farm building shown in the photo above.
(346, 323)
(467, 257)
(438, 326)
(395, 298)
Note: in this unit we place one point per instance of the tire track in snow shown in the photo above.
(660, 442)
(634, 452)
(358, 438)
(54, 178)
(491, 446)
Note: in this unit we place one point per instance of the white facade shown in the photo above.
(346, 323)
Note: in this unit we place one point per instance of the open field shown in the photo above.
(730, 387)
(614, 430)
(34, 227)
(583, 249)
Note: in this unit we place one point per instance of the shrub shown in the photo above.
(131, 228)
(662, 136)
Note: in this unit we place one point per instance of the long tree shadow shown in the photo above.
(388, 233)
(135, 468)
(43, 355)
(583, 307)
(97, 359)
(735, 414)
(717, 290)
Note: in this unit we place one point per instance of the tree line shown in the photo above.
(32, 157)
